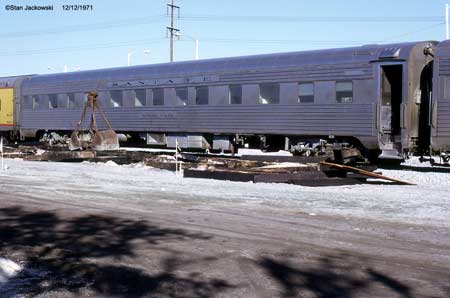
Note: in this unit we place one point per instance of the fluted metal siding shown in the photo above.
(444, 66)
(443, 119)
(312, 119)
(347, 71)
(441, 134)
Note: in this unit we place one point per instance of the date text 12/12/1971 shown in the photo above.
(83, 7)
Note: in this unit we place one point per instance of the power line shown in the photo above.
(396, 37)
(85, 47)
(252, 18)
(391, 19)
(94, 46)
(85, 27)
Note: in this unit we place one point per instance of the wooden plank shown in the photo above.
(219, 175)
(288, 177)
(365, 173)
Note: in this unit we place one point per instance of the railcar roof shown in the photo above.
(443, 48)
(235, 64)
(9, 81)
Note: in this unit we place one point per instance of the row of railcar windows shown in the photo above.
(269, 93)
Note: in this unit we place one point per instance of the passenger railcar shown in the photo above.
(375, 97)
(440, 108)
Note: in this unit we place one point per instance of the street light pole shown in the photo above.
(196, 49)
(65, 68)
(146, 52)
(191, 38)
(129, 57)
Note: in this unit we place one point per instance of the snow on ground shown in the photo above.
(243, 151)
(428, 202)
(8, 269)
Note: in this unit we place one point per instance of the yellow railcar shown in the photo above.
(6, 108)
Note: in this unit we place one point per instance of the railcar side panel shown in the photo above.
(440, 120)
(311, 119)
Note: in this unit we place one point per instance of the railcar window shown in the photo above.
(344, 92)
(235, 94)
(269, 94)
(71, 103)
(140, 97)
(158, 97)
(182, 96)
(27, 102)
(201, 95)
(306, 92)
(53, 101)
(35, 101)
(116, 99)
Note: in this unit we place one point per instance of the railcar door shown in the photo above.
(391, 94)
(425, 94)
(6, 108)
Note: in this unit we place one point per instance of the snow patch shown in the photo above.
(40, 152)
(283, 165)
(259, 152)
(8, 269)
(111, 163)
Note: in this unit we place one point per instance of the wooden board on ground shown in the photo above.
(365, 173)
(258, 176)
(62, 156)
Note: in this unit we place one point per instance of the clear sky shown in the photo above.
(33, 42)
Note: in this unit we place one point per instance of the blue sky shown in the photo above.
(31, 42)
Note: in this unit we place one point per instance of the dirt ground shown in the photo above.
(178, 248)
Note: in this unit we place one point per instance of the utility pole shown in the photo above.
(172, 29)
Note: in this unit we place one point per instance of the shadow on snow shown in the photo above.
(68, 255)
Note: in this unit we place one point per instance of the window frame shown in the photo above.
(142, 101)
(199, 101)
(156, 91)
(339, 99)
(299, 95)
(180, 101)
(68, 101)
(261, 98)
(52, 98)
(116, 104)
(230, 96)
(35, 102)
(27, 102)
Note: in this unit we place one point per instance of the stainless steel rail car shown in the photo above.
(440, 107)
(374, 97)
